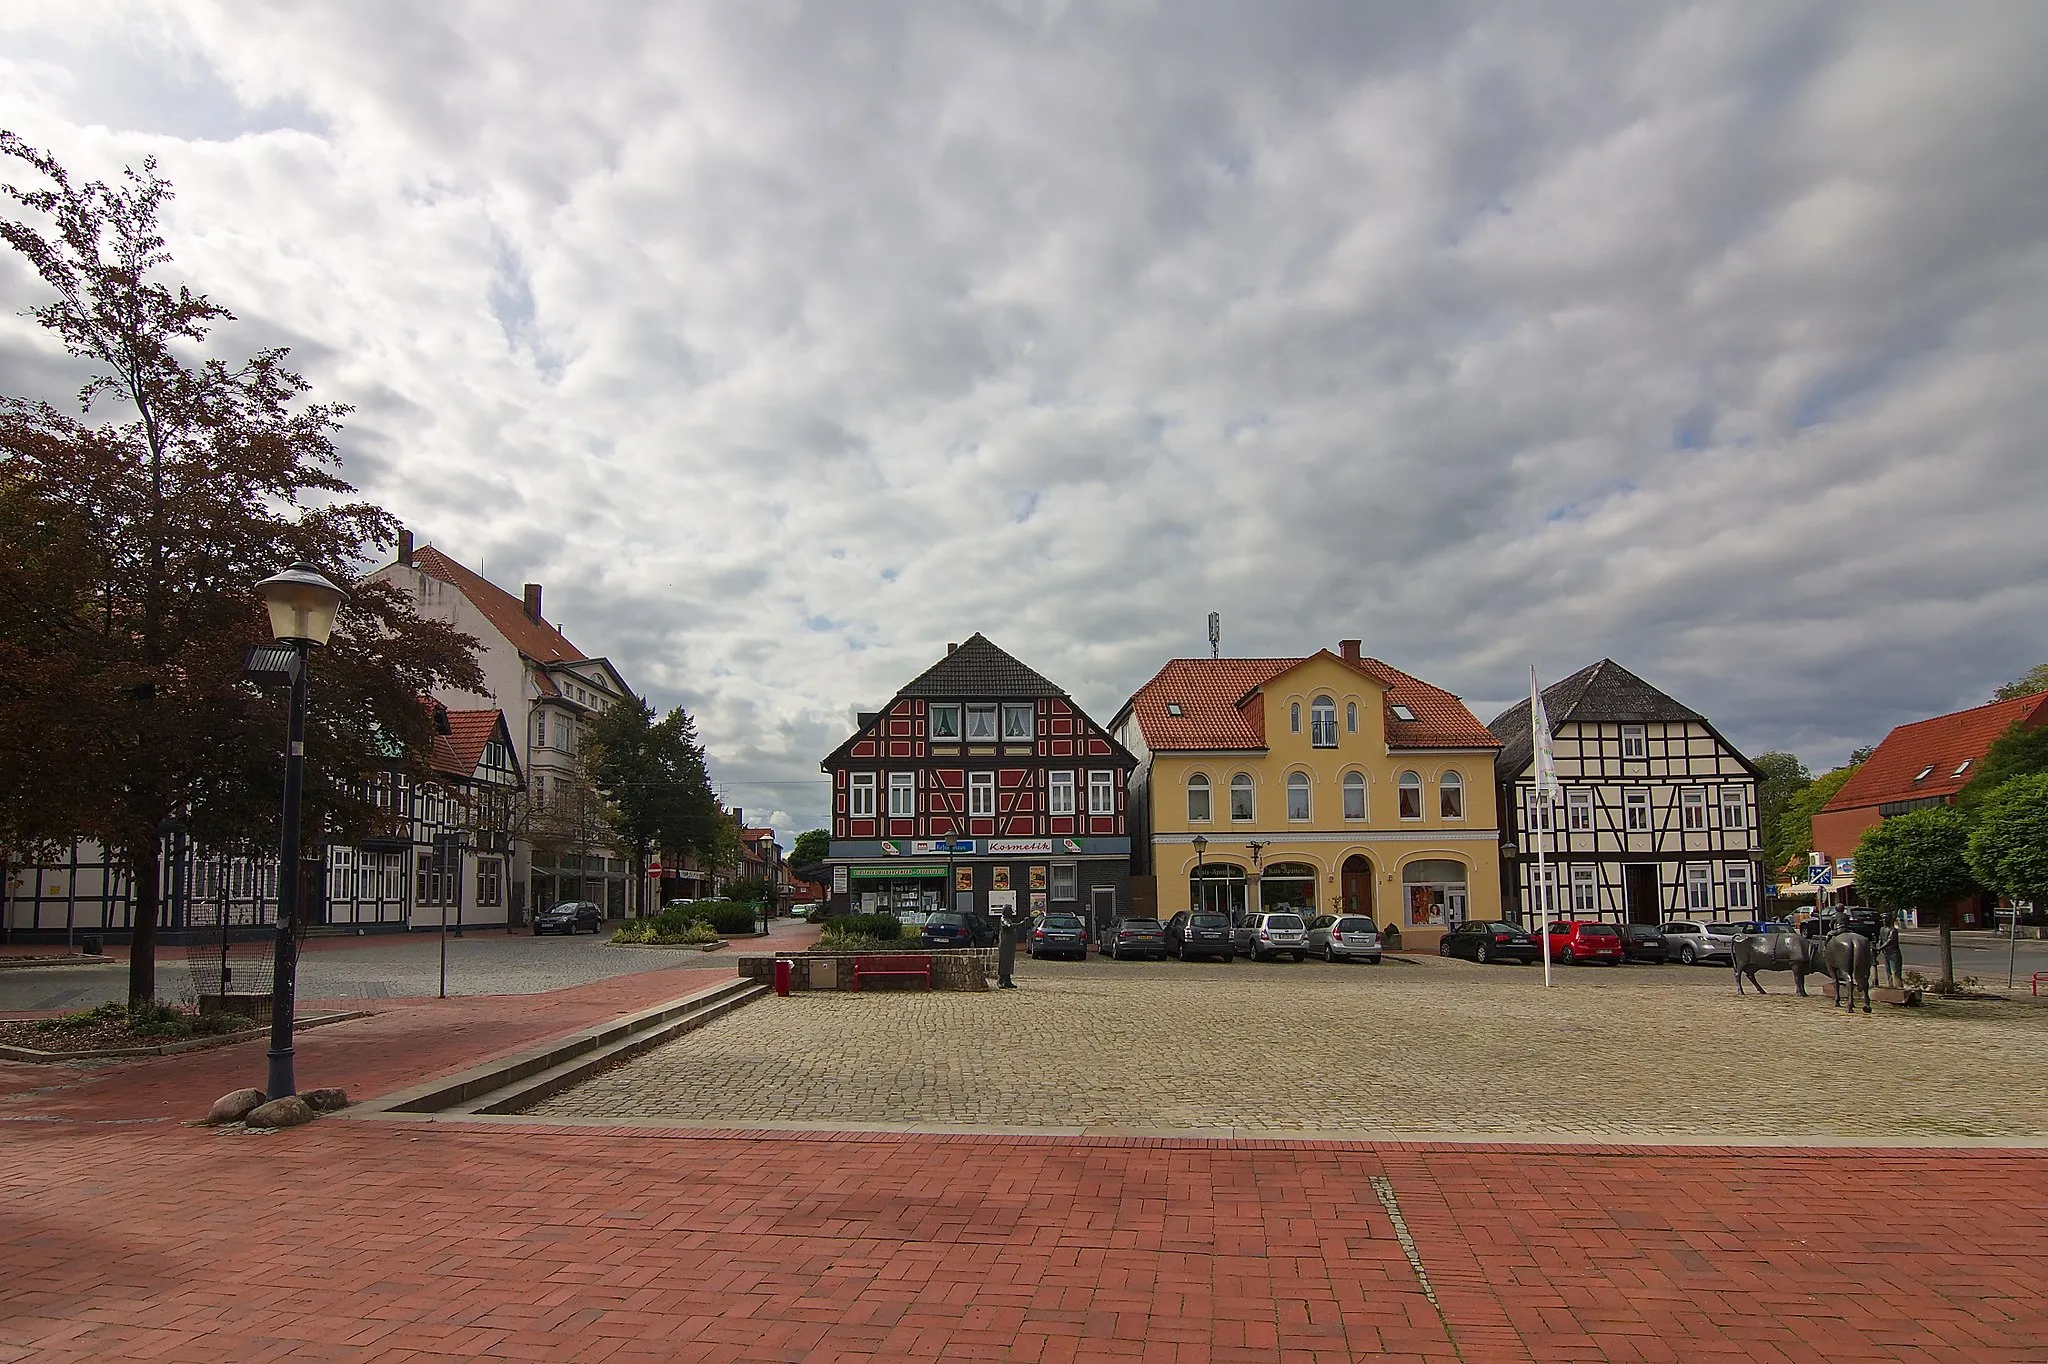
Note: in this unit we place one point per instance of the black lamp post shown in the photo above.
(302, 606)
(1201, 846)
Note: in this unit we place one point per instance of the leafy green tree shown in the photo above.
(1784, 777)
(1920, 860)
(2009, 840)
(2035, 679)
(655, 781)
(209, 474)
(1794, 832)
(811, 847)
(2016, 753)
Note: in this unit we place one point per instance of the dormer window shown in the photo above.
(1402, 712)
(981, 724)
(1925, 773)
(945, 722)
(1962, 767)
(1017, 722)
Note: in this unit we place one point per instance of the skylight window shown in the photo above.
(1173, 708)
(1961, 768)
(1925, 773)
(1402, 712)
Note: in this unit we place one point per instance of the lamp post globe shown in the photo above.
(302, 605)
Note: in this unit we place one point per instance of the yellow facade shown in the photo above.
(1439, 861)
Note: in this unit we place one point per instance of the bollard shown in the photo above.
(783, 966)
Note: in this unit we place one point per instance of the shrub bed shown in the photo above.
(727, 916)
(115, 1025)
(687, 933)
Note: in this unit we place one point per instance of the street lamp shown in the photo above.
(1201, 846)
(302, 605)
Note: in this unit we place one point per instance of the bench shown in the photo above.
(864, 967)
(2040, 979)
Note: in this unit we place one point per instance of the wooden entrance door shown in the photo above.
(1355, 887)
(1639, 887)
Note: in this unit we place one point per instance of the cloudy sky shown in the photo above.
(785, 342)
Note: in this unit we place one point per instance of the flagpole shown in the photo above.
(1546, 779)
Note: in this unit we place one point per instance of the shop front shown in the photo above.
(1434, 891)
(992, 876)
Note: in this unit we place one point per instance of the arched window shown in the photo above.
(1354, 795)
(1294, 718)
(1241, 797)
(1322, 727)
(1351, 717)
(1297, 795)
(1411, 796)
(1198, 798)
(1450, 795)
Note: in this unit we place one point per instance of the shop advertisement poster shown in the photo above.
(963, 878)
(1002, 880)
(1038, 878)
(1038, 902)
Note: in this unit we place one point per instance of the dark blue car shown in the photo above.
(1059, 935)
(950, 928)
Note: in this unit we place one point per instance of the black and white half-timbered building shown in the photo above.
(980, 786)
(1659, 813)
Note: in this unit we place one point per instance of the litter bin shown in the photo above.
(91, 945)
(783, 967)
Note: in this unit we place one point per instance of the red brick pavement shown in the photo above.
(126, 1235)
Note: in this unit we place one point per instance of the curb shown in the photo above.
(30, 1054)
(76, 959)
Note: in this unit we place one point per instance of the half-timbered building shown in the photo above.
(980, 786)
(1658, 818)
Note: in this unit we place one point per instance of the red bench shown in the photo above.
(892, 966)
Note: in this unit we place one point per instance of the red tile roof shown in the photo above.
(1209, 690)
(536, 639)
(459, 750)
(1943, 743)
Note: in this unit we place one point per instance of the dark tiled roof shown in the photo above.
(979, 668)
(1208, 691)
(536, 639)
(1943, 743)
(1606, 693)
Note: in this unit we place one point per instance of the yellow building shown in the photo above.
(1329, 784)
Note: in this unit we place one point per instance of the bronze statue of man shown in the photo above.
(1006, 950)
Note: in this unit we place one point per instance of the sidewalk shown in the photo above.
(126, 1235)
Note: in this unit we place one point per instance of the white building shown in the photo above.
(1659, 819)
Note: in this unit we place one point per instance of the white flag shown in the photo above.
(1539, 728)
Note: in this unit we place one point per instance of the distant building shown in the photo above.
(980, 786)
(1660, 811)
(1922, 764)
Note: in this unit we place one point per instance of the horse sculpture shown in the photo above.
(1754, 952)
(1846, 957)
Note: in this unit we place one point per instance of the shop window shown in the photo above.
(1434, 890)
(1288, 886)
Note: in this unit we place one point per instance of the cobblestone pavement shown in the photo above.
(387, 966)
(1428, 1047)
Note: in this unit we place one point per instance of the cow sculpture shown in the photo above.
(1754, 952)
(1846, 957)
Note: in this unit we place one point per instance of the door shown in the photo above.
(1354, 888)
(1639, 887)
(1102, 908)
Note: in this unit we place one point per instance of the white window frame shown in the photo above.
(1298, 785)
(1354, 783)
(903, 795)
(1635, 742)
(540, 729)
(1450, 783)
(1631, 803)
(1351, 717)
(1242, 783)
(1059, 793)
(1013, 710)
(1734, 808)
(1542, 813)
(1699, 888)
(1578, 812)
(1543, 885)
(1102, 793)
(1585, 889)
(951, 713)
(1409, 781)
(1198, 784)
(981, 795)
(1065, 881)
(1692, 809)
(1322, 723)
(987, 711)
(1739, 886)
(860, 797)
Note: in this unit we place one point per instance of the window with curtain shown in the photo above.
(1059, 798)
(1450, 795)
(1354, 795)
(1297, 795)
(1198, 798)
(1411, 795)
(1241, 797)
(1102, 793)
(1578, 811)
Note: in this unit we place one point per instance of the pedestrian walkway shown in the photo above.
(127, 1235)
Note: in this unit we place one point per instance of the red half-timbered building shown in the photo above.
(981, 786)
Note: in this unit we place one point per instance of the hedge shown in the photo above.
(882, 927)
(727, 916)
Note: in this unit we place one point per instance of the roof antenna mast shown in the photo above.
(1215, 634)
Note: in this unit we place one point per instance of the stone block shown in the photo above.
(234, 1107)
(325, 1100)
(290, 1111)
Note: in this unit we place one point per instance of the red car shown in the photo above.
(1577, 941)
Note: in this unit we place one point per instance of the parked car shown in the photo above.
(1058, 935)
(1344, 937)
(1190, 935)
(951, 928)
(1485, 940)
(1578, 940)
(1690, 943)
(1135, 938)
(570, 916)
(1261, 936)
(1643, 942)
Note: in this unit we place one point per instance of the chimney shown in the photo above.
(533, 602)
(1349, 649)
(951, 647)
(405, 546)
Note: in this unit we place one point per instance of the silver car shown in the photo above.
(1271, 935)
(1688, 943)
(1344, 937)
